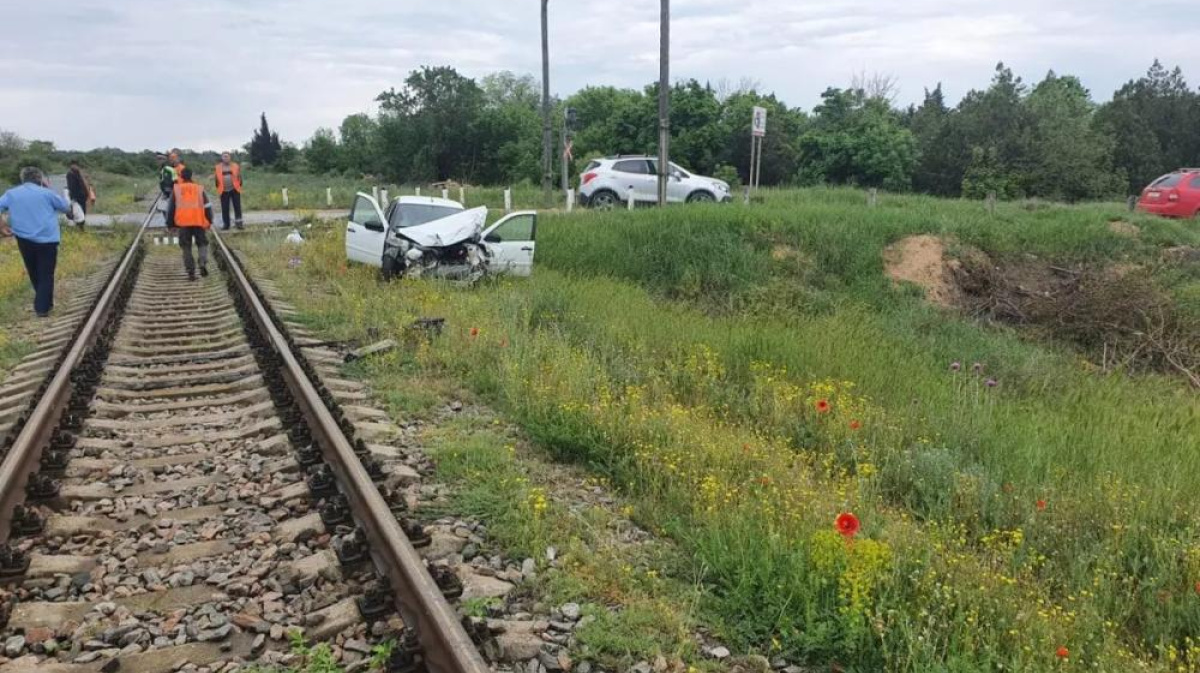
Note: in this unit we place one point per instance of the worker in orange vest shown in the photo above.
(176, 164)
(228, 175)
(192, 213)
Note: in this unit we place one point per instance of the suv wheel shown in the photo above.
(701, 197)
(391, 269)
(603, 200)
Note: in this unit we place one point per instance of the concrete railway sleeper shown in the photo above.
(189, 497)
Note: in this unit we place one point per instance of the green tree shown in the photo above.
(939, 166)
(429, 128)
(1069, 159)
(1155, 124)
(358, 148)
(264, 147)
(857, 140)
(509, 129)
(994, 124)
(321, 152)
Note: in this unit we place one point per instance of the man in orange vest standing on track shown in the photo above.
(228, 176)
(191, 212)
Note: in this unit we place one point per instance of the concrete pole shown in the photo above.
(664, 100)
(547, 131)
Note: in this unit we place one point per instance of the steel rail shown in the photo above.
(25, 454)
(447, 647)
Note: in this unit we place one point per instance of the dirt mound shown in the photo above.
(921, 260)
(1122, 228)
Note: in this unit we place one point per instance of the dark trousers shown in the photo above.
(40, 261)
(187, 236)
(236, 198)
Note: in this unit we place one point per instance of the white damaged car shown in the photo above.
(422, 236)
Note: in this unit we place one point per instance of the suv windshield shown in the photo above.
(412, 214)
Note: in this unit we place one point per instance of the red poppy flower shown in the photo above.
(846, 524)
(1041, 505)
(474, 332)
(504, 342)
(764, 480)
(746, 449)
(1062, 652)
(822, 406)
(1197, 587)
(854, 425)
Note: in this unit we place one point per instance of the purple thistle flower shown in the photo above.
(955, 366)
(991, 383)
(977, 367)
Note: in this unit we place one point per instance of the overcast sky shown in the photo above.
(151, 74)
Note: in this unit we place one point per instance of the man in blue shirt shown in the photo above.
(31, 211)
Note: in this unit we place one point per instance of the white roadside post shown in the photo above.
(570, 200)
(630, 199)
(507, 200)
(418, 190)
(446, 194)
(873, 197)
(375, 193)
(329, 196)
(462, 195)
(383, 193)
(285, 197)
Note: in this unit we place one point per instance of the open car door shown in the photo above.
(511, 243)
(366, 231)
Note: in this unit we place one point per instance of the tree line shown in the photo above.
(1050, 139)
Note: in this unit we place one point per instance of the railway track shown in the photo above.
(182, 491)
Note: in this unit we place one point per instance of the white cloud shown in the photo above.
(147, 74)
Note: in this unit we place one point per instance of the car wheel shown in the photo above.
(390, 269)
(701, 197)
(604, 200)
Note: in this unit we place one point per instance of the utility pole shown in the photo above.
(547, 130)
(664, 101)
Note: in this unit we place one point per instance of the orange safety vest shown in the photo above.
(235, 173)
(189, 206)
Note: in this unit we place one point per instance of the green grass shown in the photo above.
(679, 354)
(78, 254)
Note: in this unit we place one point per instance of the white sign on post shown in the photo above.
(758, 126)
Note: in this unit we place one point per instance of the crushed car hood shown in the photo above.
(464, 226)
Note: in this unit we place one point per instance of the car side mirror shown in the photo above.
(493, 238)
(374, 226)
(677, 177)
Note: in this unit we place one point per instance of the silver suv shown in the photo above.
(608, 182)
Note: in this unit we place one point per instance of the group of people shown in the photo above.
(29, 213)
(188, 209)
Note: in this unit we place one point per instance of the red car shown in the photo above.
(1173, 195)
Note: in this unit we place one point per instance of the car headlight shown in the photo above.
(414, 255)
(721, 186)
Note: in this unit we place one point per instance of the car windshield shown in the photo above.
(413, 214)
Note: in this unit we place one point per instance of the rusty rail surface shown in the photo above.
(447, 647)
(25, 453)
